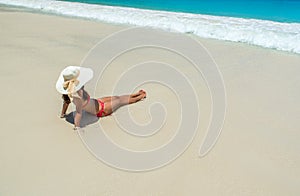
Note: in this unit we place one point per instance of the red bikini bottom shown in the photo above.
(101, 111)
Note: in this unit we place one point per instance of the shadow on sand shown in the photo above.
(86, 119)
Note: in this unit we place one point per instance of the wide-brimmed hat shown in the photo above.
(72, 78)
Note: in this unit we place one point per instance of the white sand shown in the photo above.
(258, 152)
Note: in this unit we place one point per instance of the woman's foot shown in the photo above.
(139, 96)
(140, 93)
(135, 94)
(143, 93)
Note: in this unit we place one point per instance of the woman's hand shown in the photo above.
(76, 128)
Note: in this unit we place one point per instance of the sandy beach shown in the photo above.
(257, 153)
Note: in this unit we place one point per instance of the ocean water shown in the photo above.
(276, 10)
(267, 23)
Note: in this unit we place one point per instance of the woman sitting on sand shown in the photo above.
(71, 84)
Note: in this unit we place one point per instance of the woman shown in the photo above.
(71, 84)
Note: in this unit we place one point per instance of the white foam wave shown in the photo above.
(269, 34)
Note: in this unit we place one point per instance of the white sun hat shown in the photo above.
(72, 78)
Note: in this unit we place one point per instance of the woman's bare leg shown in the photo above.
(113, 103)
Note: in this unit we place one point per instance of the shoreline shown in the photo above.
(220, 28)
(257, 152)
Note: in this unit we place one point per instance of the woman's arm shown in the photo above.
(77, 118)
(66, 103)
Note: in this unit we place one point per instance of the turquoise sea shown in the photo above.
(267, 23)
(276, 10)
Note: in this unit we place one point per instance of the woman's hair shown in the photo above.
(85, 95)
(67, 99)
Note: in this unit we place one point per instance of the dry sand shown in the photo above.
(258, 152)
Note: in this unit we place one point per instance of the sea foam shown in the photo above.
(269, 34)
